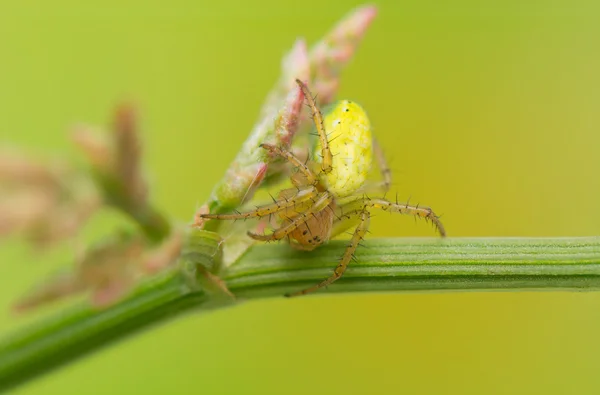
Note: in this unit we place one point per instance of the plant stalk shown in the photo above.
(385, 265)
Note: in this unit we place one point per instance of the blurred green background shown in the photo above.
(488, 110)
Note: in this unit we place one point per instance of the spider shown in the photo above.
(330, 191)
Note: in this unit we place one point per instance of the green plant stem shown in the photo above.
(389, 265)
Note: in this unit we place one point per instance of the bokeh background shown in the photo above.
(488, 110)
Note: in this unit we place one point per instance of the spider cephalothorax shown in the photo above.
(330, 192)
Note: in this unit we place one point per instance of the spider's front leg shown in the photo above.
(363, 226)
(317, 116)
(303, 195)
(310, 177)
(322, 202)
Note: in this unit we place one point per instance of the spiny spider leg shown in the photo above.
(402, 208)
(359, 233)
(323, 201)
(302, 196)
(311, 179)
(382, 186)
(344, 220)
(384, 168)
(317, 117)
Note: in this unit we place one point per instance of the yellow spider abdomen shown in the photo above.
(349, 134)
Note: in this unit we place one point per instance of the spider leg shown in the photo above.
(317, 117)
(384, 168)
(311, 179)
(402, 208)
(382, 186)
(359, 233)
(302, 196)
(345, 219)
(323, 201)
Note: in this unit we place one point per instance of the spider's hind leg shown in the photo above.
(384, 185)
(384, 168)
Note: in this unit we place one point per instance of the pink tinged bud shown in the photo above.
(19, 169)
(295, 65)
(330, 55)
(94, 145)
(111, 292)
(327, 89)
(341, 55)
(164, 256)
(286, 124)
(58, 223)
(128, 155)
(110, 270)
(354, 26)
(51, 291)
(21, 210)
